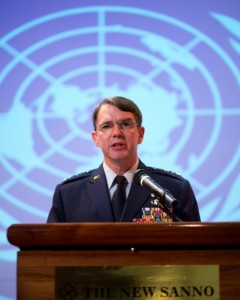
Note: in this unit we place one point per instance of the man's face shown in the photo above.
(119, 145)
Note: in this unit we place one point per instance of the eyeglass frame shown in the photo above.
(112, 123)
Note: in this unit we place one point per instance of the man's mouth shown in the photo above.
(118, 146)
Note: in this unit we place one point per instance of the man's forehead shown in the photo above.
(117, 120)
(111, 111)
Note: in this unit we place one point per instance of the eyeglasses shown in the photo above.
(123, 124)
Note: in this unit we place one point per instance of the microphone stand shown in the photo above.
(160, 203)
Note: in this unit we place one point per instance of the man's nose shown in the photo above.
(117, 129)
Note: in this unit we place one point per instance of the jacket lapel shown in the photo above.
(98, 191)
(138, 195)
(135, 201)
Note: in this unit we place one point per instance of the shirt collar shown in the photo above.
(110, 175)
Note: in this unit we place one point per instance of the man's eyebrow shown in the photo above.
(105, 122)
(127, 119)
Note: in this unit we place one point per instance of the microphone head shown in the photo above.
(138, 174)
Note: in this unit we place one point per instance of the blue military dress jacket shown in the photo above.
(85, 198)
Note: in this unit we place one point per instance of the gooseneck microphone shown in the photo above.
(141, 177)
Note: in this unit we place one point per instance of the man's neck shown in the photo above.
(121, 168)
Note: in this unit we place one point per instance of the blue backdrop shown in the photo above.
(178, 60)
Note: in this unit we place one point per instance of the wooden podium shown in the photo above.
(43, 247)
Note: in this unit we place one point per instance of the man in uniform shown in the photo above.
(91, 196)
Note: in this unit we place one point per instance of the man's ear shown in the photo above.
(141, 134)
(95, 138)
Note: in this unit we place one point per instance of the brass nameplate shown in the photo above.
(137, 282)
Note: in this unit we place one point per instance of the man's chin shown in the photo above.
(119, 156)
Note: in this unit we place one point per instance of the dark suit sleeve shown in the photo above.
(187, 209)
(56, 213)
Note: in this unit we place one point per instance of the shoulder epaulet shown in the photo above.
(166, 172)
(77, 177)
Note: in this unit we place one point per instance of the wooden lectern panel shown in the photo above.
(43, 247)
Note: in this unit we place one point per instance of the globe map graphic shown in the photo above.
(67, 72)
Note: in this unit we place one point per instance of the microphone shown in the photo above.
(142, 178)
